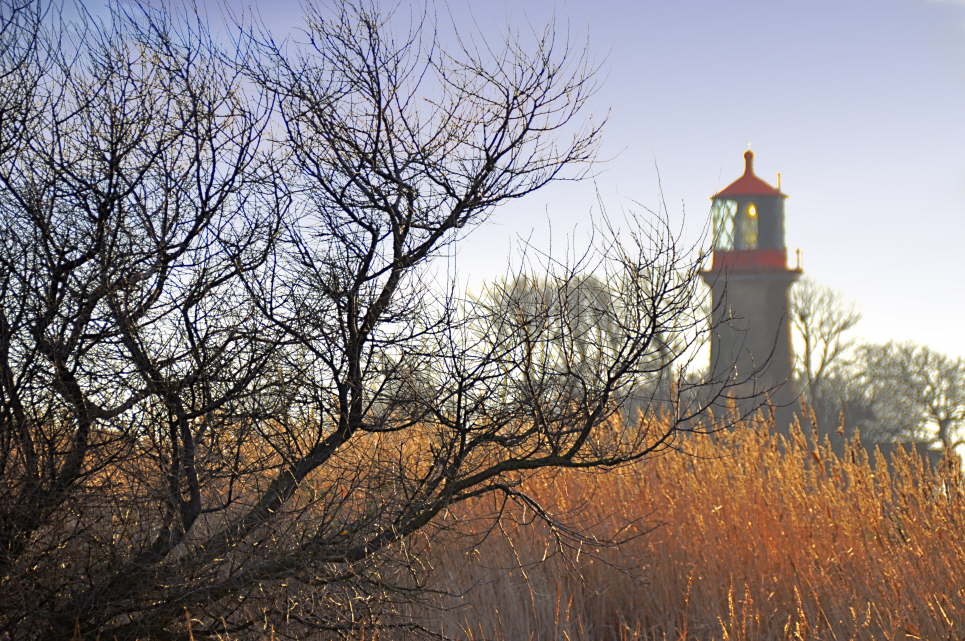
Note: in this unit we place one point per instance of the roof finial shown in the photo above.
(748, 162)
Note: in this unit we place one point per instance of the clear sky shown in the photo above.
(860, 104)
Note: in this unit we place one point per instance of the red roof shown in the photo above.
(748, 184)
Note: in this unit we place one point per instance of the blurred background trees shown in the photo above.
(822, 322)
(890, 392)
(914, 392)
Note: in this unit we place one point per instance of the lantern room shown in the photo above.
(748, 223)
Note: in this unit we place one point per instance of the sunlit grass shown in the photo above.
(745, 538)
(740, 537)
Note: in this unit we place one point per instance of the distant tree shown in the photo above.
(821, 323)
(575, 323)
(231, 387)
(913, 393)
(890, 392)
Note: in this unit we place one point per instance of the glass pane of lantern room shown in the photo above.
(723, 214)
(747, 238)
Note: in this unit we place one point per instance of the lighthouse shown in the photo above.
(749, 280)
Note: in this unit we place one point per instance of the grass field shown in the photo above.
(742, 539)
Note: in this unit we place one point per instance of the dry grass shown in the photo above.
(751, 540)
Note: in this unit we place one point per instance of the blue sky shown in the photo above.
(860, 104)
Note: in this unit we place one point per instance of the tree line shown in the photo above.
(896, 391)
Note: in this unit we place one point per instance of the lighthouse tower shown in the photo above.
(749, 280)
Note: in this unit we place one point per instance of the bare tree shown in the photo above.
(132, 195)
(576, 321)
(891, 392)
(825, 359)
(821, 320)
(914, 393)
(232, 387)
